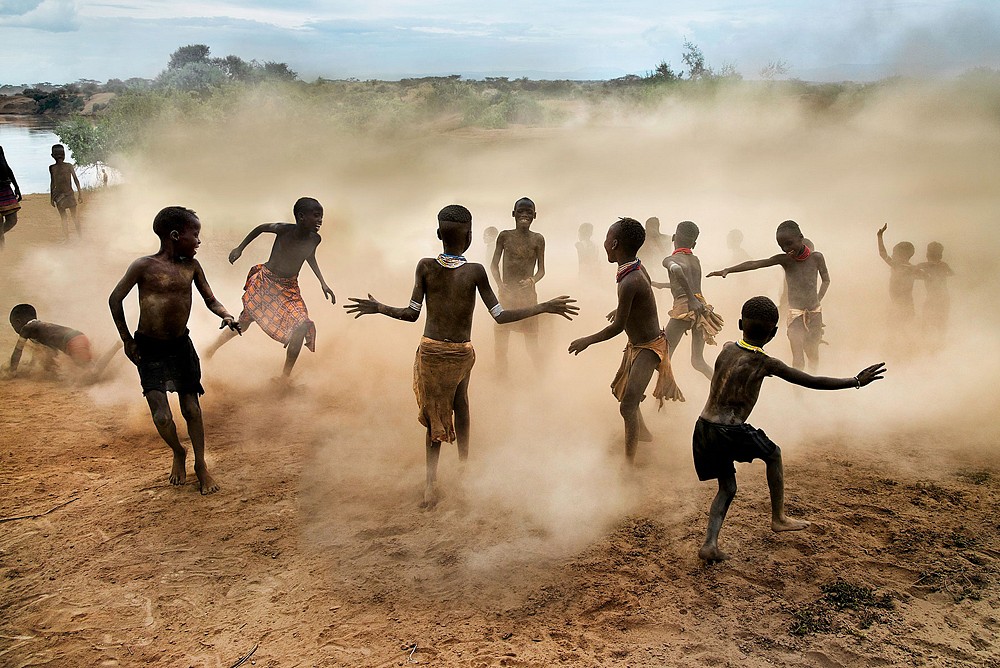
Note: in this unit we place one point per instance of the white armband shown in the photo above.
(496, 311)
(415, 306)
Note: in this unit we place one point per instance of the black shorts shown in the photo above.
(168, 365)
(717, 446)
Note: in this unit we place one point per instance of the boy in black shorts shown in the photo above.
(722, 436)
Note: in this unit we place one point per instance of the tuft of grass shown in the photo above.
(844, 607)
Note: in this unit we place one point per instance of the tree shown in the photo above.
(695, 61)
(192, 53)
(664, 72)
(773, 70)
(279, 71)
(195, 76)
(236, 68)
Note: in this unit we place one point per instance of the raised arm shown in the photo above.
(750, 265)
(213, 304)
(409, 313)
(798, 377)
(115, 303)
(562, 305)
(824, 275)
(235, 254)
(881, 245)
(314, 265)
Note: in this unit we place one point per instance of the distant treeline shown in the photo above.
(200, 89)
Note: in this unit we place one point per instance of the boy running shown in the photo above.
(271, 296)
(161, 347)
(722, 435)
(62, 177)
(445, 356)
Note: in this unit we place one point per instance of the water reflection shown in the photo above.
(27, 143)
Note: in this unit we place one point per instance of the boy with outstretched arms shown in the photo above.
(646, 350)
(161, 347)
(53, 339)
(802, 267)
(523, 254)
(722, 435)
(445, 356)
(62, 177)
(901, 278)
(271, 296)
(690, 311)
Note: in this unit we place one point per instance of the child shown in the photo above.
(161, 347)
(445, 356)
(271, 296)
(734, 242)
(647, 346)
(805, 314)
(586, 251)
(722, 435)
(10, 198)
(655, 247)
(53, 338)
(935, 272)
(901, 278)
(62, 176)
(523, 255)
(690, 311)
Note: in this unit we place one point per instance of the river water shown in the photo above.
(27, 144)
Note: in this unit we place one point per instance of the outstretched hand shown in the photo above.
(234, 255)
(610, 317)
(327, 292)
(882, 229)
(562, 305)
(871, 374)
(362, 307)
(721, 273)
(230, 322)
(579, 345)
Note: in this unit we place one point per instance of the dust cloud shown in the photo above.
(545, 476)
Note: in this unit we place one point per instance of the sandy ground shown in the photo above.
(316, 561)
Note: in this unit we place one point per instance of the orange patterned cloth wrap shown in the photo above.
(439, 368)
(275, 303)
(666, 386)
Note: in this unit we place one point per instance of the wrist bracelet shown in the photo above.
(858, 381)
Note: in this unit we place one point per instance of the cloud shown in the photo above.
(47, 15)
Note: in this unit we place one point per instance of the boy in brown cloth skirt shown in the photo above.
(271, 296)
(445, 357)
(647, 345)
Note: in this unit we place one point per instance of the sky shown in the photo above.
(65, 40)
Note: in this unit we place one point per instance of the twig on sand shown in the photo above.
(243, 659)
(409, 659)
(31, 517)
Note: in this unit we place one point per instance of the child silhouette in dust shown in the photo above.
(441, 371)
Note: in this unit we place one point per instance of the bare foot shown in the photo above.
(712, 553)
(207, 482)
(431, 497)
(178, 476)
(786, 524)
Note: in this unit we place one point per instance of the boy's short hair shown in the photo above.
(631, 235)
(735, 235)
(759, 310)
(455, 213)
(791, 226)
(172, 218)
(904, 248)
(935, 247)
(22, 314)
(304, 203)
(525, 199)
(59, 146)
(687, 231)
(586, 227)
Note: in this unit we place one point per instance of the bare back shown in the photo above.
(736, 384)
(451, 298)
(690, 265)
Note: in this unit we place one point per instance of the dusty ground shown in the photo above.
(315, 560)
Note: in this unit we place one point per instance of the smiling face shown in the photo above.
(790, 242)
(310, 218)
(523, 213)
(187, 240)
